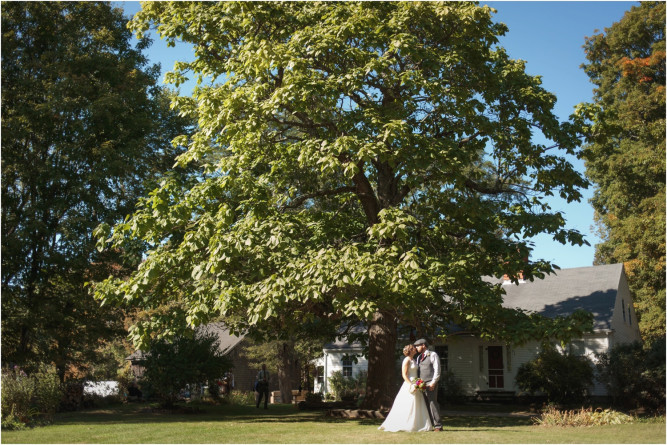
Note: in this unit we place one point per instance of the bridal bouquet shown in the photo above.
(417, 384)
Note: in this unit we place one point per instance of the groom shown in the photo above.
(428, 370)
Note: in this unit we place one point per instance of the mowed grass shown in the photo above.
(136, 423)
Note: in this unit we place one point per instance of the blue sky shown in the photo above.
(549, 36)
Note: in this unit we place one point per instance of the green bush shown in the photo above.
(360, 382)
(450, 388)
(635, 375)
(563, 378)
(73, 398)
(240, 398)
(18, 390)
(11, 422)
(214, 389)
(314, 397)
(344, 388)
(25, 397)
(48, 391)
(172, 364)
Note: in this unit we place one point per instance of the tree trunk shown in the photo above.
(380, 387)
(306, 370)
(287, 371)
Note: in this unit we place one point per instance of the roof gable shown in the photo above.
(593, 289)
(226, 340)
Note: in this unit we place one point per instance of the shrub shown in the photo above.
(214, 389)
(240, 398)
(360, 382)
(48, 391)
(171, 365)
(314, 397)
(18, 390)
(345, 387)
(450, 388)
(25, 397)
(11, 422)
(73, 395)
(563, 378)
(583, 417)
(635, 375)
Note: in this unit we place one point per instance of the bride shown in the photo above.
(409, 411)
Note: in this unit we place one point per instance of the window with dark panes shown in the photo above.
(347, 368)
(443, 353)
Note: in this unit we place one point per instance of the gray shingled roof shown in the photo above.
(592, 288)
(226, 340)
(342, 343)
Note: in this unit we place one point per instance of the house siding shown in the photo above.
(462, 361)
(245, 374)
(596, 345)
(624, 320)
(333, 361)
(601, 290)
(471, 367)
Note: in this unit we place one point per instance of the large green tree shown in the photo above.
(625, 157)
(84, 131)
(363, 162)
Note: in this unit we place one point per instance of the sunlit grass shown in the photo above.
(285, 424)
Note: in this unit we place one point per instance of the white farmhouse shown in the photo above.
(488, 367)
(338, 357)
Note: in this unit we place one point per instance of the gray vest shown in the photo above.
(426, 369)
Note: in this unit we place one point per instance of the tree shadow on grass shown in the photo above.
(485, 421)
(450, 422)
(144, 413)
(250, 415)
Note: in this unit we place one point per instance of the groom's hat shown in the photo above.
(421, 341)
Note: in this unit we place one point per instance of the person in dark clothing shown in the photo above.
(133, 392)
(262, 387)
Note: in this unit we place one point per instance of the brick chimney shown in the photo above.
(506, 278)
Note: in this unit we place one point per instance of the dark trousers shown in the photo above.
(263, 391)
(433, 406)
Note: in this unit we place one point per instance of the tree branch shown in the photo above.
(495, 190)
(296, 202)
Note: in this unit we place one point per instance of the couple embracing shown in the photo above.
(416, 406)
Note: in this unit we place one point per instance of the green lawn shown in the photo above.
(284, 424)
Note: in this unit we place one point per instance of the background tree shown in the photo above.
(172, 364)
(625, 157)
(290, 352)
(84, 131)
(362, 162)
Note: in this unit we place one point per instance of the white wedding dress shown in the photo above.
(409, 411)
